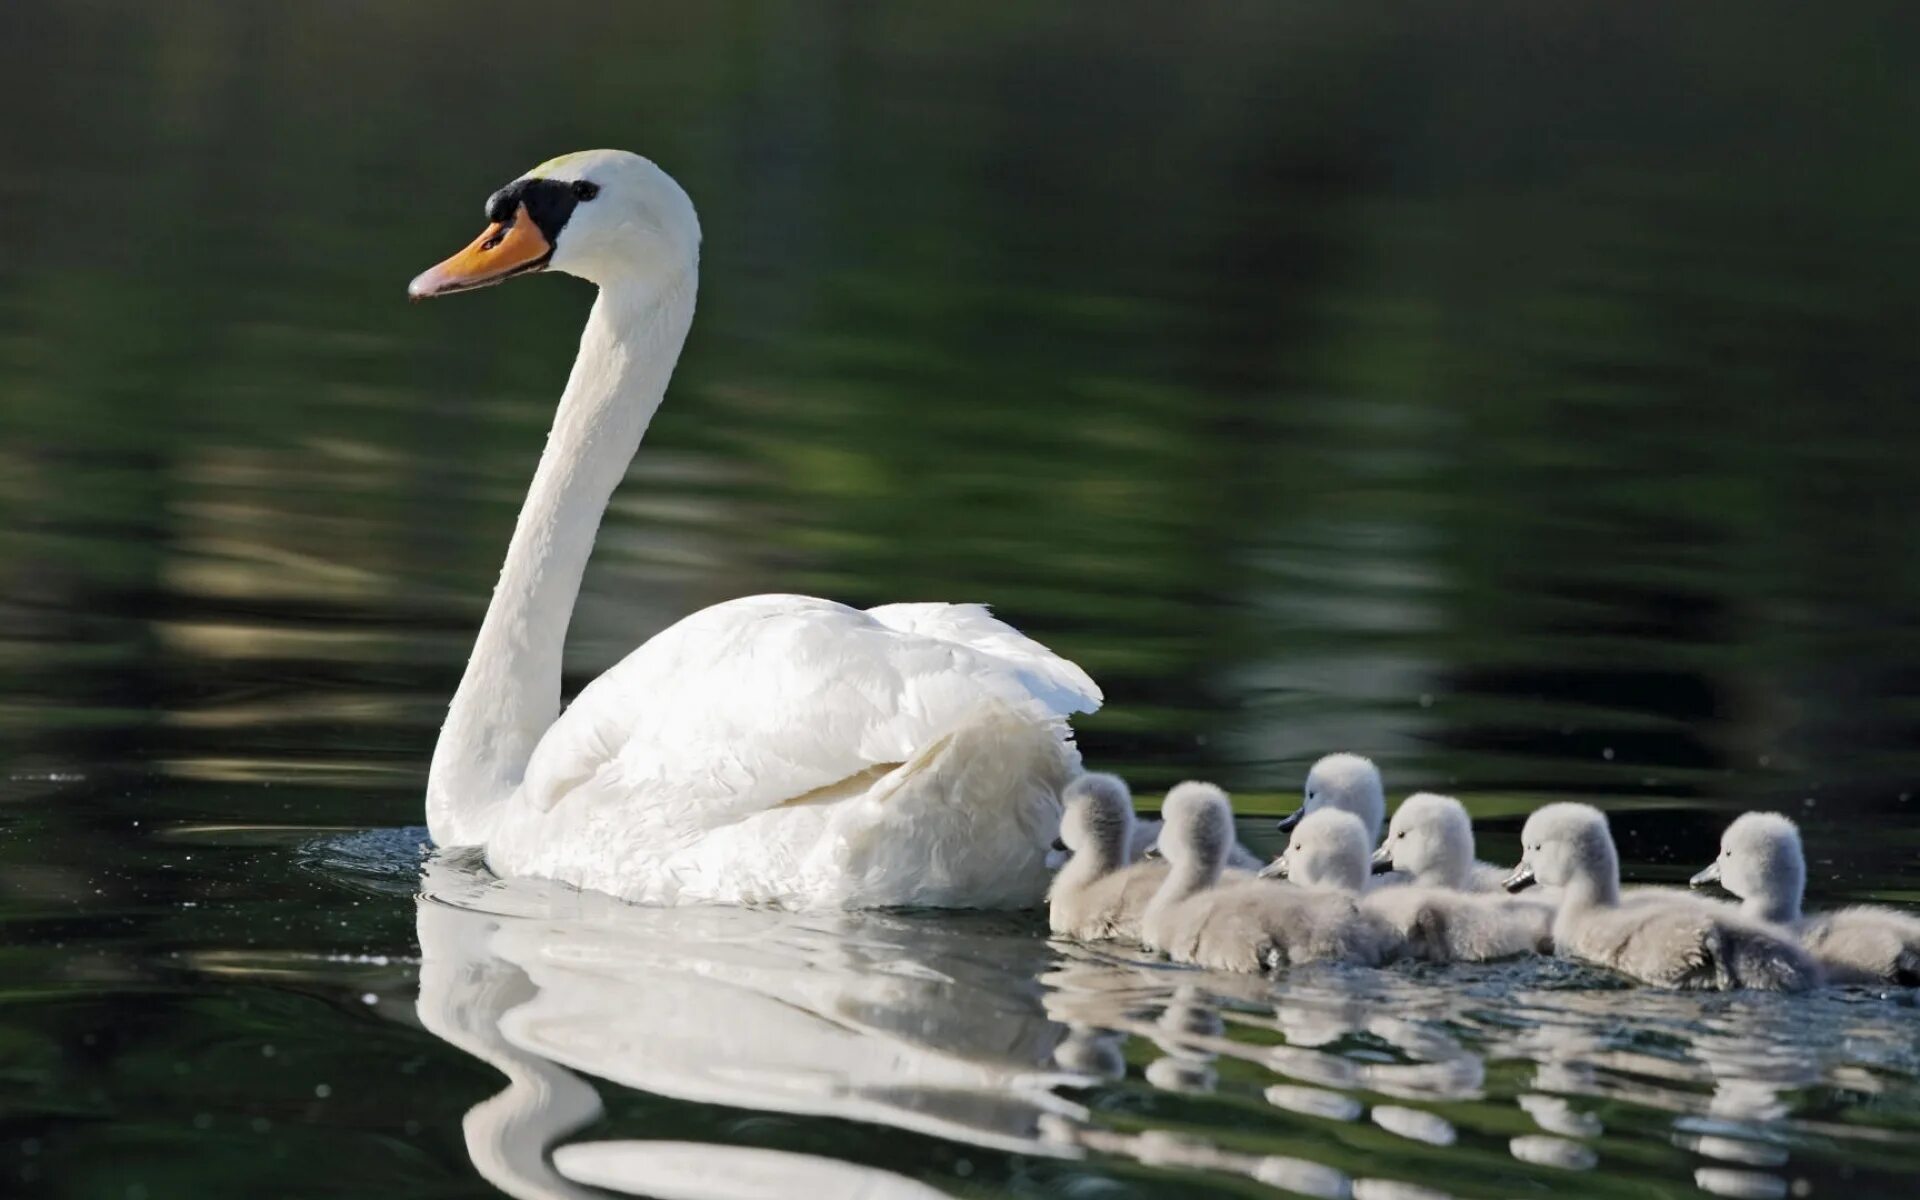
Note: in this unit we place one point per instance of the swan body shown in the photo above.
(1762, 862)
(1657, 939)
(1328, 852)
(1249, 926)
(775, 749)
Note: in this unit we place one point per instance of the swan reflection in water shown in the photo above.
(976, 1030)
(907, 1023)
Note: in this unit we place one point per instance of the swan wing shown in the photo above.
(1057, 682)
(772, 700)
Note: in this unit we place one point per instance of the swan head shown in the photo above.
(1098, 819)
(1196, 826)
(1564, 842)
(1349, 783)
(1429, 838)
(1760, 859)
(607, 216)
(1327, 850)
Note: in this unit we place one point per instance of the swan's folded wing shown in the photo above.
(774, 700)
(1058, 682)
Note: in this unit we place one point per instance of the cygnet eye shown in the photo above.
(1401, 834)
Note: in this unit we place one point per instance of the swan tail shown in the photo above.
(965, 822)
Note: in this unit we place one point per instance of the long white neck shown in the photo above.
(510, 693)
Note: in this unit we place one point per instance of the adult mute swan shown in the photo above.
(773, 749)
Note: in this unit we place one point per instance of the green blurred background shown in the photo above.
(1524, 396)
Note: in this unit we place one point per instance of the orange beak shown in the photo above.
(503, 250)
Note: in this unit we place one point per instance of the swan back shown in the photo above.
(1865, 944)
(1674, 942)
(1251, 926)
(1443, 925)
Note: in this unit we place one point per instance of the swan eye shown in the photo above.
(583, 190)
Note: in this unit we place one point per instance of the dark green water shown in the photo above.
(1524, 395)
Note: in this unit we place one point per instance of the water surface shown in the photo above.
(1524, 398)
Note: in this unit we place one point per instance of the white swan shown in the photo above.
(1665, 940)
(1328, 852)
(775, 749)
(1761, 861)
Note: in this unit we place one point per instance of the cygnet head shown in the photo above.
(1568, 846)
(607, 216)
(1349, 783)
(1327, 850)
(1431, 839)
(1196, 828)
(1762, 862)
(1098, 821)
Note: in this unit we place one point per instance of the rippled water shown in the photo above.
(1524, 397)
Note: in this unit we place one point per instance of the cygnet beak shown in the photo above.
(1060, 844)
(1277, 869)
(1383, 860)
(1710, 875)
(1152, 853)
(1291, 819)
(1520, 880)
